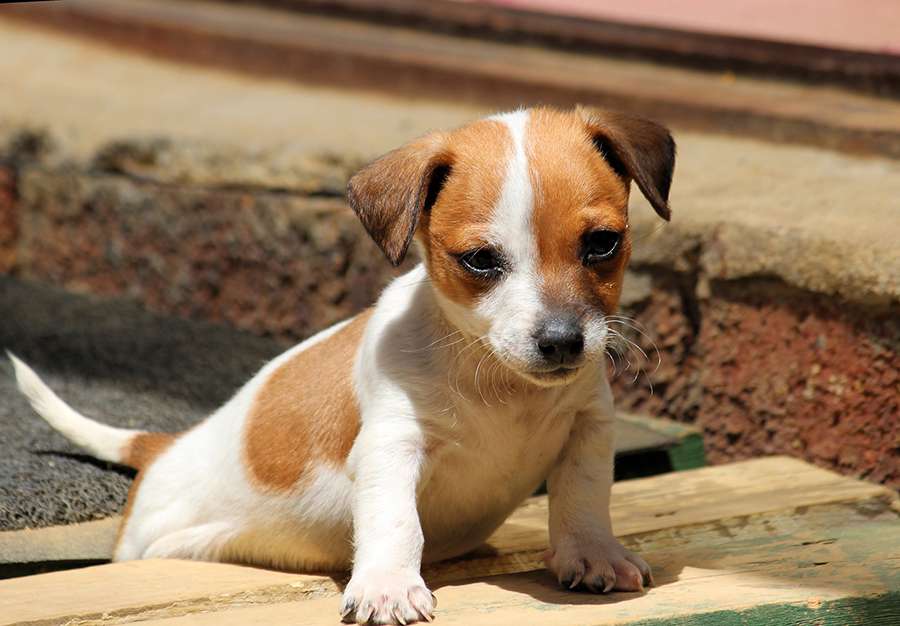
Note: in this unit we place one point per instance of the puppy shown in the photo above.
(408, 433)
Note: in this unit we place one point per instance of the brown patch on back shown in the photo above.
(460, 218)
(143, 449)
(306, 413)
(575, 190)
(140, 452)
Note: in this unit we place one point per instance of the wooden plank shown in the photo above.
(122, 589)
(632, 437)
(36, 551)
(90, 540)
(826, 564)
(521, 601)
(670, 501)
(719, 497)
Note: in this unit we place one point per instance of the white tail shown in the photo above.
(101, 441)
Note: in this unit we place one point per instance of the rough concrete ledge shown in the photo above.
(855, 267)
(193, 229)
(838, 240)
(285, 169)
(829, 228)
(817, 221)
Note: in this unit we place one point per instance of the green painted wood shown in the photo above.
(682, 443)
(880, 610)
(688, 454)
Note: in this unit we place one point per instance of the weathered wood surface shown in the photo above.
(85, 541)
(765, 541)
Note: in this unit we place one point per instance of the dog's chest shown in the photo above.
(493, 458)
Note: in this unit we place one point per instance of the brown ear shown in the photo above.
(637, 149)
(390, 194)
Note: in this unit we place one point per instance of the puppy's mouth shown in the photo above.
(553, 376)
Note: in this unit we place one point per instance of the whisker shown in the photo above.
(437, 341)
(639, 328)
(478, 386)
(655, 230)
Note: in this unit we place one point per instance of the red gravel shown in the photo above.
(774, 370)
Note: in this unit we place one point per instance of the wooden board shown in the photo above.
(759, 536)
(86, 541)
(829, 564)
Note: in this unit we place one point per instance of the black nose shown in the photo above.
(560, 340)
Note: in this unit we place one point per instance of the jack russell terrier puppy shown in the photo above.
(411, 431)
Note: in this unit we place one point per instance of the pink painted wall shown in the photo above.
(870, 25)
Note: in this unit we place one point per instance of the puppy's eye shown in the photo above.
(483, 262)
(599, 245)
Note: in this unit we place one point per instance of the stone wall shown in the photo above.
(9, 225)
(766, 368)
(185, 236)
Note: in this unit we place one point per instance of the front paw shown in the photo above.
(387, 597)
(598, 565)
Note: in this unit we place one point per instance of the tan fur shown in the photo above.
(306, 412)
(389, 194)
(642, 150)
(141, 451)
(459, 220)
(575, 191)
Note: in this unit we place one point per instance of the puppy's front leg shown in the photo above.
(583, 550)
(386, 586)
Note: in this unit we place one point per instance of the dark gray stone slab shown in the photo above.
(112, 361)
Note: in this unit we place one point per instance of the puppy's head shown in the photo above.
(522, 220)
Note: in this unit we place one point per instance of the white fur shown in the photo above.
(510, 312)
(513, 309)
(219, 501)
(104, 442)
(452, 439)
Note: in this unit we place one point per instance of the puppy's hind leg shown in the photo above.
(205, 542)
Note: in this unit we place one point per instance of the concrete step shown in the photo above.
(821, 221)
(411, 62)
(770, 541)
(833, 42)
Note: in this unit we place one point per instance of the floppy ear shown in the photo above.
(391, 193)
(637, 149)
